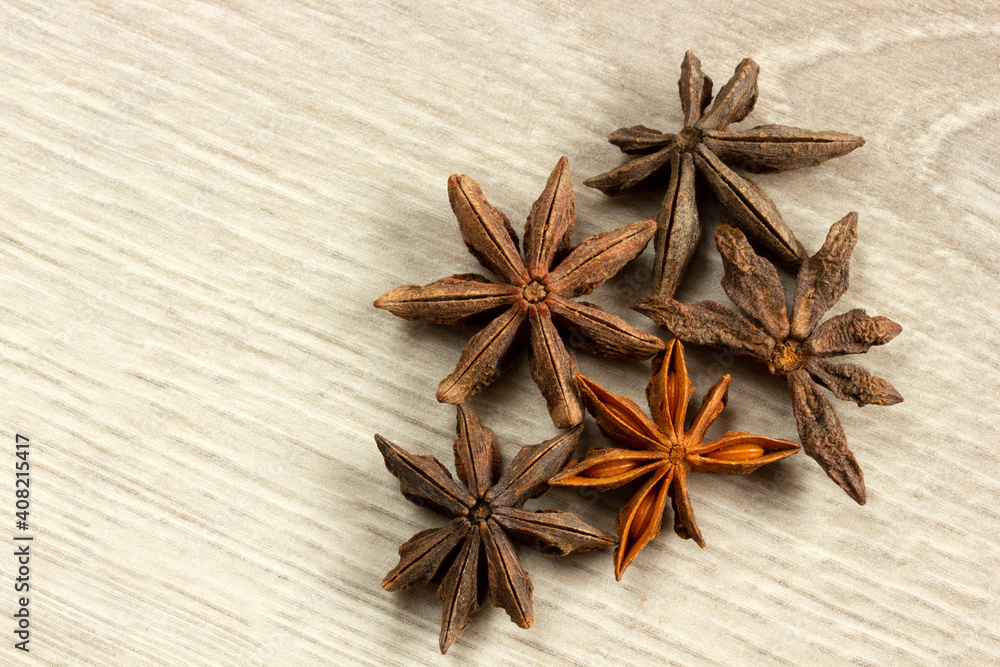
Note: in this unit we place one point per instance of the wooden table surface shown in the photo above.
(201, 199)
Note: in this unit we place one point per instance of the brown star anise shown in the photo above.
(706, 143)
(474, 552)
(662, 452)
(796, 350)
(531, 293)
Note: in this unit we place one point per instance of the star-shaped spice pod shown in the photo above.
(707, 144)
(661, 452)
(474, 552)
(797, 349)
(531, 294)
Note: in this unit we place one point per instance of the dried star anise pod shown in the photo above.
(474, 553)
(662, 452)
(705, 143)
(531, 294)
(797, 349)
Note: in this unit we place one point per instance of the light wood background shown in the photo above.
(199, 202)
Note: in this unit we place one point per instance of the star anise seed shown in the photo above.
(487, 513)
(795, 348)
(707, 144)
(533, 294)
(661, 452)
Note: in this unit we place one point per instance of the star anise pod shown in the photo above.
(474, 553)
(531, 294)
(707, 144)
(661, 452)
(797, 349)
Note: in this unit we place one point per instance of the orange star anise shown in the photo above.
(662, 452)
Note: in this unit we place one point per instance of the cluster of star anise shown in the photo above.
(533, 302)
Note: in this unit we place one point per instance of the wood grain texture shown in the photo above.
(199, 202)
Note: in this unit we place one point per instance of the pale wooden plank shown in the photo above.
(200, 200)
